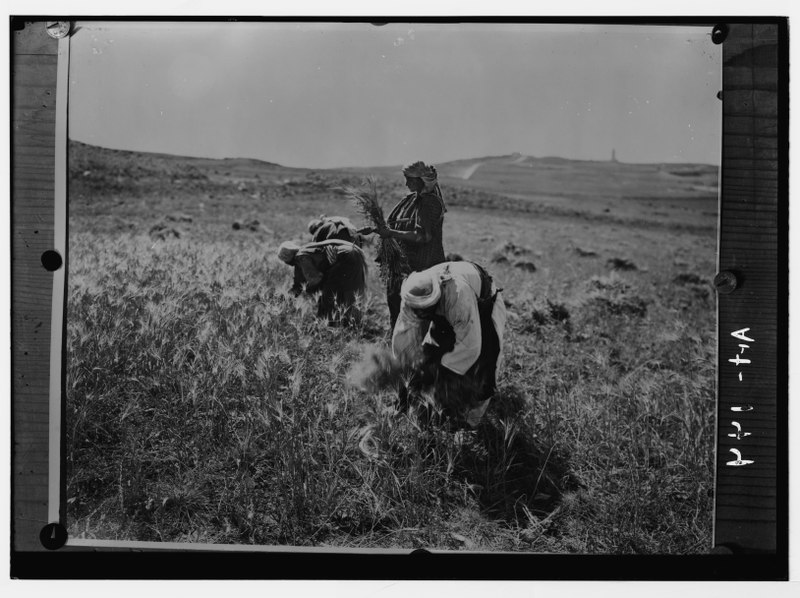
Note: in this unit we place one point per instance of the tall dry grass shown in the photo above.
(206, 404)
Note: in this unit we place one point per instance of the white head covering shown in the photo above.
(287, 251)
(421, 290)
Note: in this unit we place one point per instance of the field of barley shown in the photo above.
(206, 404)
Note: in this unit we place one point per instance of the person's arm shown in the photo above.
(411, 236)
(461, 310)
(390, 233)
(407, 337)
(299, 281)
(428, 214)
(313, 277)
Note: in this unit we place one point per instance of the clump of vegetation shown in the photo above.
(513, 254)
(549, 313)
(508, 250)
(525, 266)
(612, 295)
(162, 230)
(251, 224)
(619, 306)
(619, 263)
(687, 278)
(585, 252)
(612, 284)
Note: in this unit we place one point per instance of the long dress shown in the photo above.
(422, 213)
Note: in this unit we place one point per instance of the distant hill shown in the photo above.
(517, 176)
(523, 176)
(683, 195)
(83, 154)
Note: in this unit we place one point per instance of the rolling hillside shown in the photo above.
(671, 195)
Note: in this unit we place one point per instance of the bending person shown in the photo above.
(336, 269)
(326, 228)
(451, 326)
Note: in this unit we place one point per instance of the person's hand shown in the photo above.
(367, 230)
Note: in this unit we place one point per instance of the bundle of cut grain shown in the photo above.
(378, 369)
(392, 260)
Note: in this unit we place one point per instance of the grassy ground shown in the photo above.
(207, 405)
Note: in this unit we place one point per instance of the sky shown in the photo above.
(326, 95)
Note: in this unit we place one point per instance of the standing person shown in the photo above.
(326, 228)
(416, 223)
(451, 326)
(337, 269)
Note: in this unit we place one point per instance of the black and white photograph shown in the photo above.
(395, 285)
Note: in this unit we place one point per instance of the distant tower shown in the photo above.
(613, 155)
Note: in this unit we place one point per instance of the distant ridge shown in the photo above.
(516, 176)
(455, 166)
(682, 195)
(81, 146)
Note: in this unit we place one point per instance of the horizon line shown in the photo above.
(398, 165)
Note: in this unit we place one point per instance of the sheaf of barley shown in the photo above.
(392, 259)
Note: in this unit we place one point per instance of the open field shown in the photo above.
(207, 405)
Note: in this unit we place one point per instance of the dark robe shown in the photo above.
(336, 269)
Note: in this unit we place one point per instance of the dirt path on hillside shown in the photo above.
(467, 172)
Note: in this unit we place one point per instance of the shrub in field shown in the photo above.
(619, 306)
(525, 265)
(612, 284)
(619, 263)
(540, 317)
(509, 250)
(585, 252)
(612, 295)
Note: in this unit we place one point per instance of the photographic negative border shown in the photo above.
(751, 502)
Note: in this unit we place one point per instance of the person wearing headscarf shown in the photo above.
(326, 228)
(335, 269)
(451, 325)
(416, 223)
